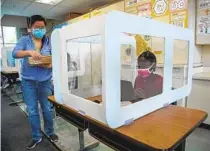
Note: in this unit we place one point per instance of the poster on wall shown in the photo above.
(179, 13)
(160, 10)
(169, 11)
(126, 51)
(203, 25)
(144, 10)
(203, 4)
(132, 10)
(203, 17)
(137, 7)
(179, 19)
(178, 5)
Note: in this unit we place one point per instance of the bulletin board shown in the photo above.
(169, 11)
(203, 17)
(203, 22)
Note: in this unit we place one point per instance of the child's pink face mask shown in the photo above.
(145, 72)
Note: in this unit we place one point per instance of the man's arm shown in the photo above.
(20, 50)
(28, 53)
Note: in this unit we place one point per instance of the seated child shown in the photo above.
(147, 83)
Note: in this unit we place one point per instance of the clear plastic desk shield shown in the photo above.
(99, 71)
(8, 63)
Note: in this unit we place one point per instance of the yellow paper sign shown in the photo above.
(158, 52)
(160, 8)
(169, 11)
(179, 13)
(95, 13)
(86, 16)
(179, 19)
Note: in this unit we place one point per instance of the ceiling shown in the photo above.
(58, 12)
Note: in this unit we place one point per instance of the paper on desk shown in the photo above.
(125, 103)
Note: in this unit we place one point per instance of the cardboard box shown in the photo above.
(72, 16)
(43, 60)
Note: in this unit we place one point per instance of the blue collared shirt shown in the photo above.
(33, 72)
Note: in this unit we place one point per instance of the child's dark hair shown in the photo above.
(149, 56)
(35, 18)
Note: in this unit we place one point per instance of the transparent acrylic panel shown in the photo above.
(8, 58)
(9, 34)
(141, 68)
(1, 48)
(84, 67)
(180, 63)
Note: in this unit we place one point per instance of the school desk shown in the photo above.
(163, 130)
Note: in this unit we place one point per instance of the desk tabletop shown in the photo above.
(9, 72)
(98, 98)
(163, 128)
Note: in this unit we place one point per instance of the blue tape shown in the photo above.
(81, 112)
(129, 121)
(60, 25)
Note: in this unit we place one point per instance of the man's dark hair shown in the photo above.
(35, 18)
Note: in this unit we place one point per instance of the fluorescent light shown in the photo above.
(51, 2)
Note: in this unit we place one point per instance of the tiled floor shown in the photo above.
(199, 140)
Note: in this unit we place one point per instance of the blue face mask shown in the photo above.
(39, 33)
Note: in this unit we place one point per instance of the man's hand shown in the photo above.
(35, 55)
(45, 65)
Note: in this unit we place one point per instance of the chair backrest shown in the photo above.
(127, 91)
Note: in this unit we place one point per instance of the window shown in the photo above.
(8, 39)
(9, 35)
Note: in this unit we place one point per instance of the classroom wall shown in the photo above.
(180, 47)
(21, 22)
(117, 6)
(156, 43)
(17, 21)
(192, 26)
(201, 53)
(206, 56)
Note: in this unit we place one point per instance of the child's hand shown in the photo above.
(139, 93)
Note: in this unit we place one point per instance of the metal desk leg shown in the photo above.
(181, 147)
(82, 142)
(15, 103)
